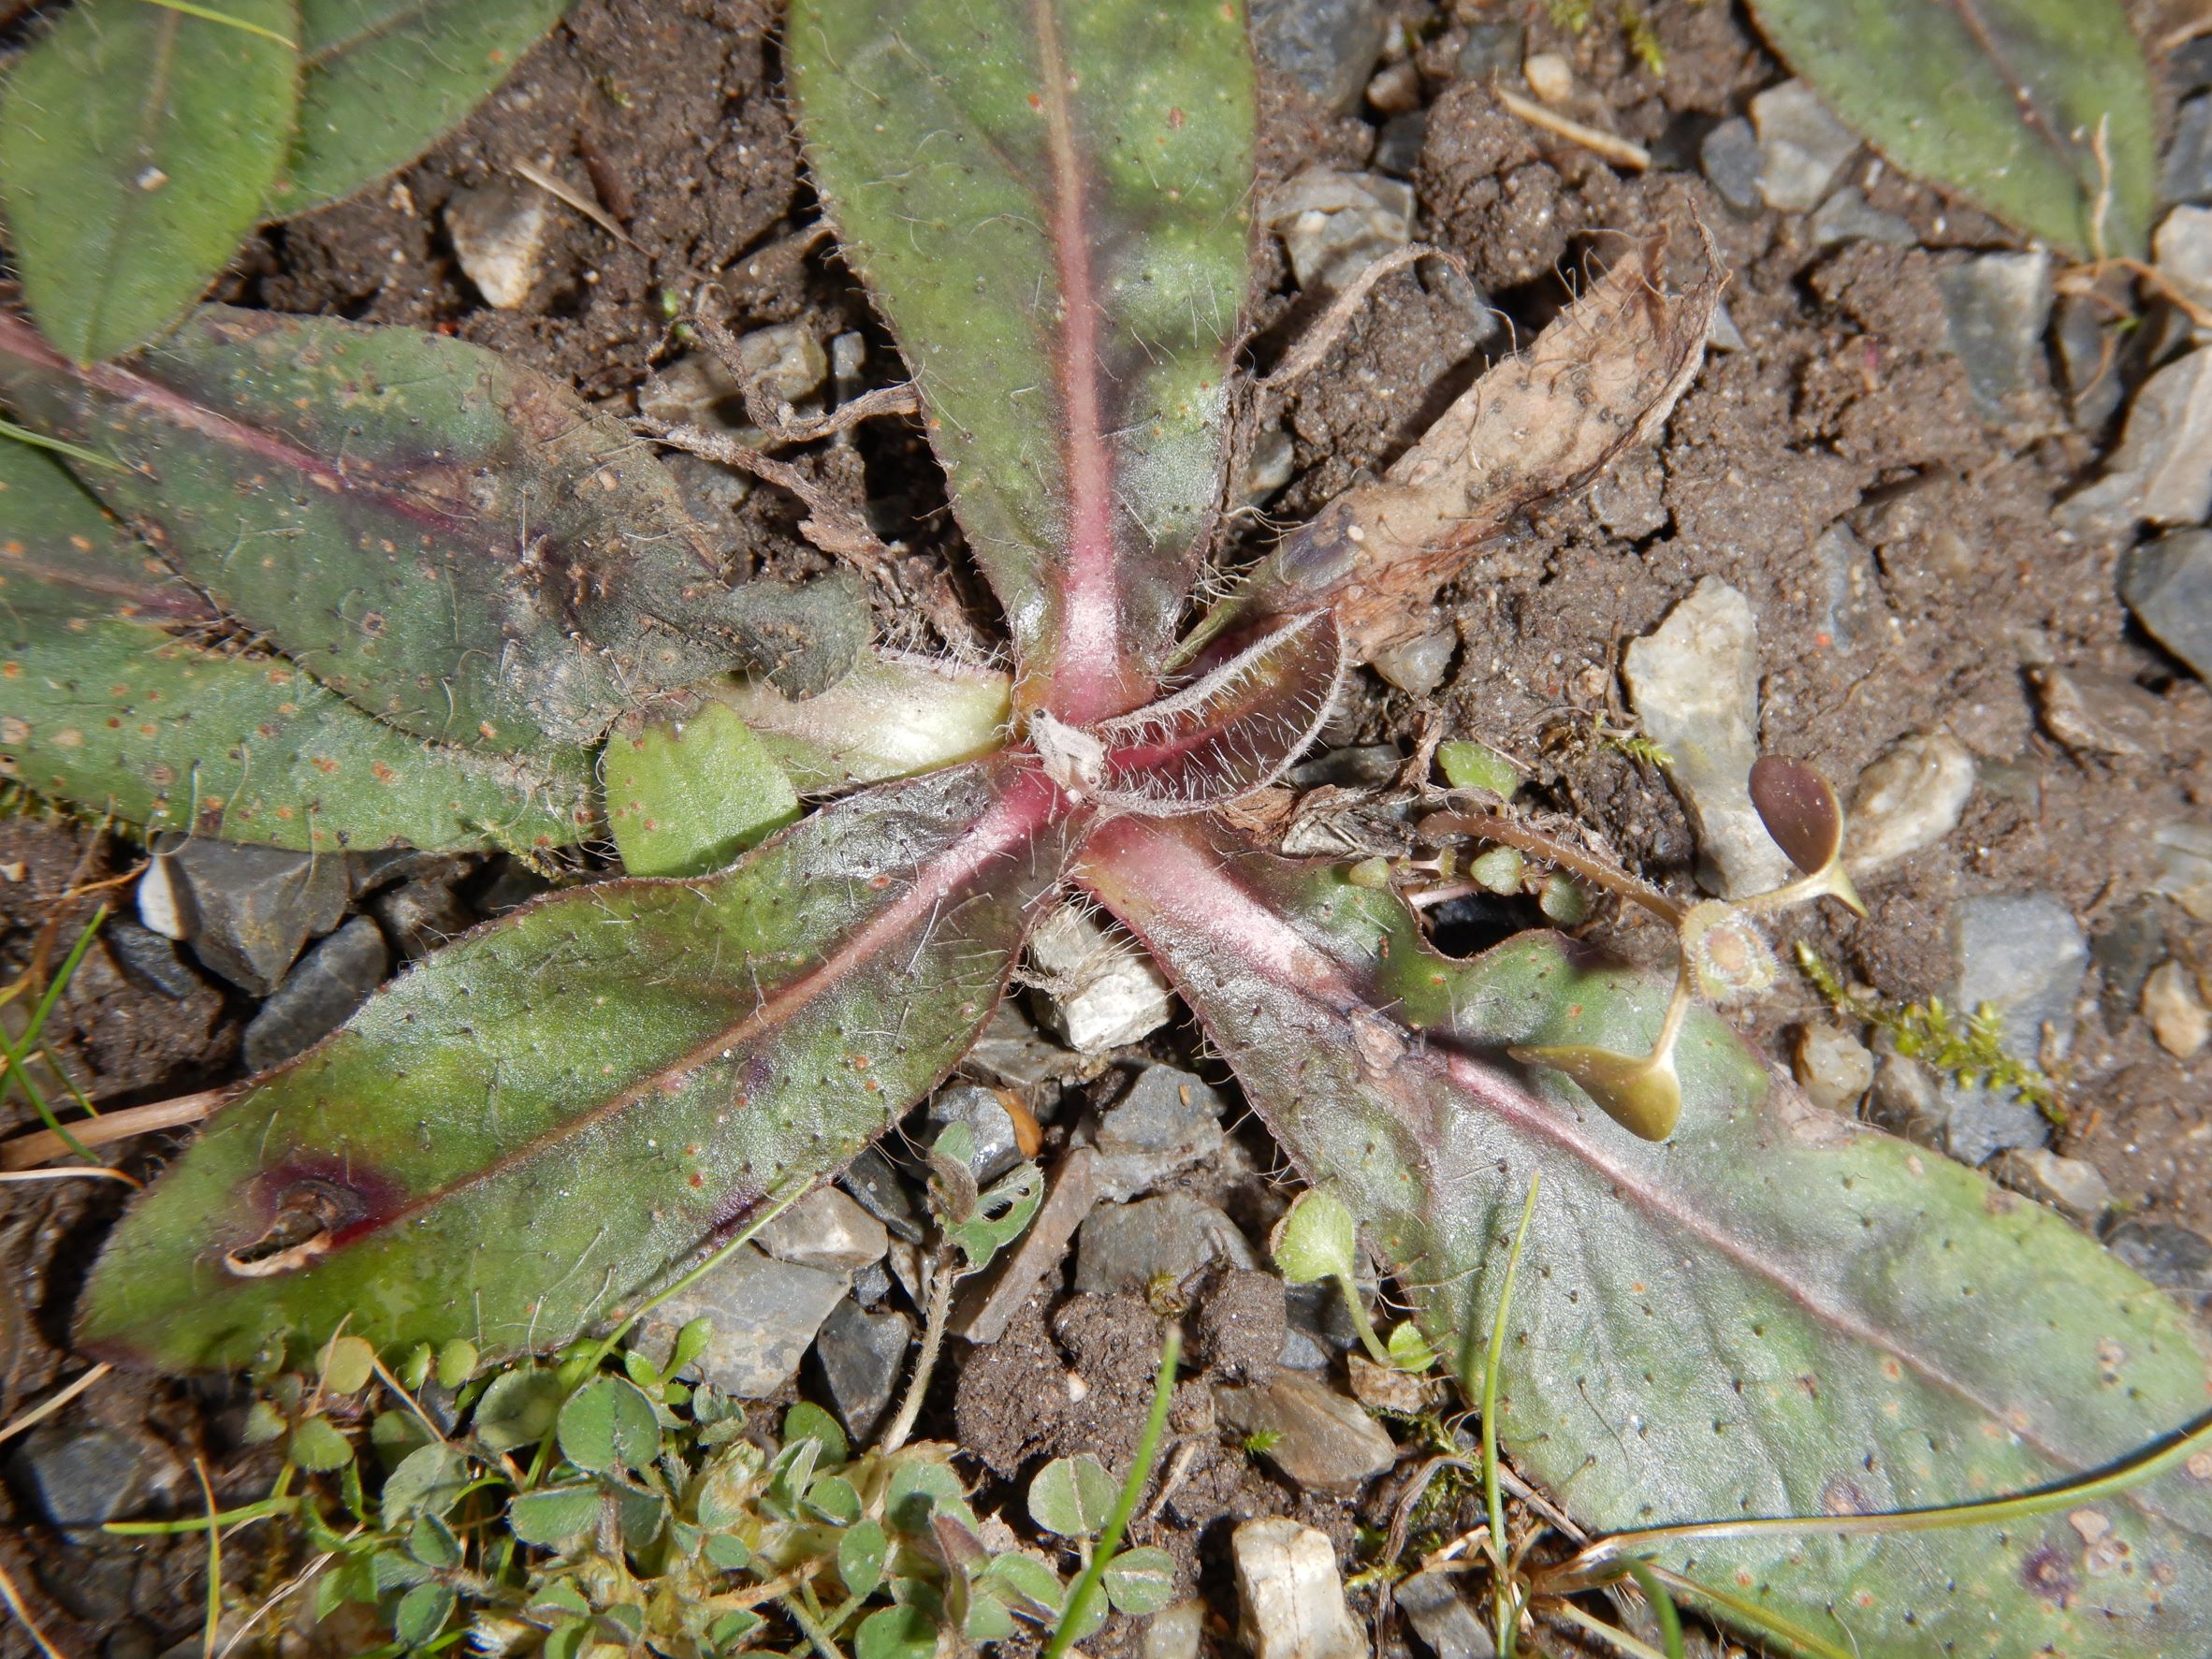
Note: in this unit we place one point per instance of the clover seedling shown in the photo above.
(472, 602)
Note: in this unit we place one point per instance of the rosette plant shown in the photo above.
(381, 588)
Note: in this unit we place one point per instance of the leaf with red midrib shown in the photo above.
(1775, 1312)
(1047, 199)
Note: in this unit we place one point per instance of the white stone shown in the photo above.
(827, 1230)
(1290, 1598)
(1832, 1066)
(1695, 682)
(1418, 667)
(2177, 1016)
(1173, 1633)
(1549, 76)
(1801, 146)
(498, 233)
(1100, 990)
(1334, 224)
(157, 901)
(1907, 801)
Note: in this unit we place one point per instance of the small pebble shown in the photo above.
(1802, 146)
(1832, 1065)
(2167, 1254)
(1328, 47)
(1099, 990)
(499, 233)
(2168, 584)
(1996, 309)
(1322, 1439)
(318, 996)
(2068, 1185)
(2177, 1016)
(2162, 469)
(1729, 156)
(2182, 251)
(1549, 76)
(1290, 1597)
(1907, 801)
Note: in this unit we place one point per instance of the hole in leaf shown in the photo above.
(307, 1217)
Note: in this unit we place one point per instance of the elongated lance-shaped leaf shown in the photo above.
(2038, 110)
(103, 702)
(381, 81)
(1773, 1313)
(549, 1119)
(1047, 198)
(137, 145)
(454, 543)
(1601, 378)
(1234, 730)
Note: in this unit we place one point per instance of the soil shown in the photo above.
(1840, 406)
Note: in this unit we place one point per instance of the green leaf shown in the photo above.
(892, 716)
(1140, 1581)
(348, 1364)
(381, 81)
(544, 1122)
(1409, 1350)
(516, 1408)
(432, 1542)
(1315, 1240)
(1049, 203)
(1072, 1496)
(834, 1499)
(456, 1362)
(137, 145)
(920, 1487)
(107, 707)
(551, 1517)
(688, 791)
(1017, 1577)
(1468, 764)
(729, 1631)
(609, 1424)
(862, 1551)
(1773, 1313)
(422, 1614)
(2005, 101)
(727, 1551)
(895, 1633)
(454, 543)
(427, 1481)
(1001, 1214)
(318, 1447)
(806, 1420)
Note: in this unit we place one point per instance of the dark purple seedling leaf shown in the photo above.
(1048, 200)
(456, 544)
(1598, 381)
(1775, 1312)
(1799, 811)
(544, 1121)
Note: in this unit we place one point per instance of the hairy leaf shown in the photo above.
(1600, 379)
(688, 789)
(1233, 731)
(136, 144)
(452, 542)
(381, 81)
(1773, 1313)
(551, 1117)
(107, 700)
(893, 715)
(1047, 198)
(2008, 102)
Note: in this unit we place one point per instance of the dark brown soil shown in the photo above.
(668, 114)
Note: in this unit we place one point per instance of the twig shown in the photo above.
(26, 1151)
(1492, 826)
(207, 1489)
(23, 1615)
(39, 1413)
(76, 1173)
(933, 1337)
(561, 193)
(829, 524)
(290, 1587)
(1323, 332)
(1611, 146)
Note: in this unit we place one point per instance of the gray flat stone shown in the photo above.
(1329, 46)
(1441, 1617)
(873, 1180)
(2068, 1185)
(989, 1124)
(2187, 172)
(2185, 867)
(1729, 156)
(1334, 224)
(1493, 48)
(2182, 251)
(1695, 683)
(2162, 469)
(2026, 954)
(1323, 1438)
(147, 960)
(2168, 585)
(862, 1357)
(81, 1478)
(1847, 217)
(1125, 1247)
(1167, 1121)
(766, 1314)
(825, 1229)
(2167, 1254)
(1802, 146)
(318, 996)
(1996, 308)
(248, 910)
(420, 916)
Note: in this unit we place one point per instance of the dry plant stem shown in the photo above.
(830, 525)
(1328, 328)
(1491, 826)
(933, 1337)
(99, 1173)
(1612, 147)
(1603, 1631)
(563, 194)
(26, 1151)
(873, 406)
(207, 1488)
(23, 1616)
(290, 1587)
(47, 1407)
